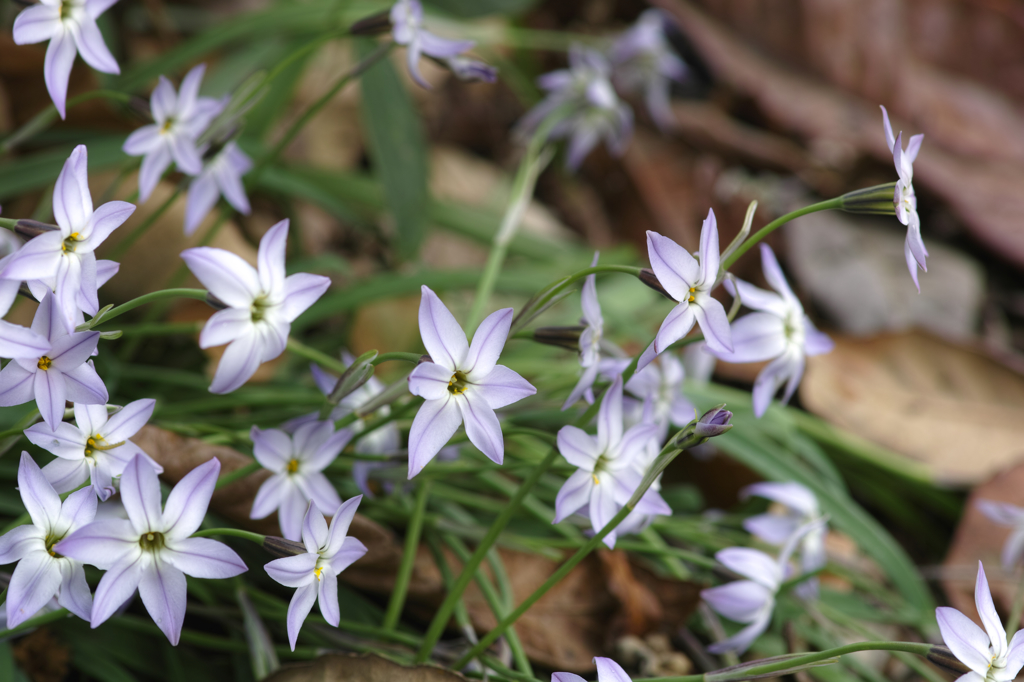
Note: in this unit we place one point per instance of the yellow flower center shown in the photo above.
(458, 384)
(691, 298)
(293, 466)
(98, 442)
(44, 363)
(317, 571)
(152, 541)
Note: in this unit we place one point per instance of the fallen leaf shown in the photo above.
(360, 668)
(42, 656)
(639, 609)
(929, 399)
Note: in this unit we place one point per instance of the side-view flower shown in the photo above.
(407, 29)
(462, 383)
(607, 671)
(905, 199)
(221, 176)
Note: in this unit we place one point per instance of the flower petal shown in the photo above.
(202, 197)
(92, 48)
(714, 322)
(162, 588)
(21, 342)
(488, 342)
(35, 581)
(430, 381)
(433, 426)
(741, 600)
(269, 496)
(105, 220)
(603, 508)
(203, 558)
(140, 494)
(753, 564)
(610, 671)
(36, 23)
(574, 494)
(987, 611)
(967, 641)
(676, 269)
(60, 57)
(298, 609)
(676, 325)
(84, 385)
(482, 426)
(293, 571)
(609, 417)
(314, 529)
(187, 503)
(351, 551)
(103, 544)
(709, 254)
(154, 165)
(127, 421)
(290, 514)
(442, 336)
(240, 360)
(302, 290)
(501, 387)
(18, 541)
(224, 274)
(742, 640)
(328, 597)
(340, 523)
(72, 203)
(68, 352)
(38, 496)
(578, 447)
(74, 590)
(16, 385)
(755, 338)
(316, 487)
(116, 587)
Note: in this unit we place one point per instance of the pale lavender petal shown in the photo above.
(574, 494)
(741, 601)
(35, 581)
(186, 504)
(127, 421)
(298, 609)
(162, 588)
(442, 336)
(140, 494)
(430, 381)
(890, 139)
(714, 322)
(1015, 655)
(328, 597)
(269, 496)
(609, 417)
(185, 154)
(293, 571)
(224, 326)
(412, 61)
(967, 641)
(773, 273)
(51, 392)
(816, 342)
(774, 529)
(302, 290)
(272, 448)
(60, 57)
(142, 141)
(327, 451)
(768, 381)
(85, 299)
(72, 203)
(676, 269)
(229, 177)
(74, 591)
(652, 352)
(203, 558)
(16, 385)
(224, 274)
(84, 385)
(37, 23)
(116, 587)
(488, 342)
(271, 256)
(316, 487)
(501, 387)
(756, 298)
(793, 495)
(79, 508)
(21, 342)
(163, 101)
(102, 543)
(742, 640)
(351, 551)
(610, 671)
(709, 255)
(566, 677)
(73, 350)
(603, 508)
(105, 220)
(578, 447)
(482, 426)
(676, 325)
(583, 387)
(751, 563)
(987, 610)
(913, 147)
(433, 426)
(289, 515)
(442, 48)
(340, 523)
(1002, 513)
(188, 92)
(314, 528)
(154, 165)
(92, 48)
(584, 139)
(38, 258)
(1013, 549)
(18, 541)
(239, 362)
(202, 197)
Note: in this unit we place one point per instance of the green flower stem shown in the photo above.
(412, 543)
(239, 473)
(444, 612)
(1013, 621)
(313, 355)
(750, 670)
(314, 108)
(163, 294)
(231, 533)
(51, 617)
(414, 358)
(8, 223)
(122, 246)
(776, 224)
(160, 328)
(48, 116)
(553, 580)
(548, 293)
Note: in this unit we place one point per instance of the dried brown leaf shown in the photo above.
(360, 668)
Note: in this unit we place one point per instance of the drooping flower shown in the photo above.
(221, 176)
(54, 370)
(261, 304)
(315, 574)
(1012, 516)
(64, 260)
(407, 29)
(800, 508)
(905, 199)
(644, 64)
(985, 652)
(96, 450)
(41, 572)
(152, 550)
(689, 281)
(583, 99)
(607, 671)
(610, 467)
(70, 26)
(298, 462)
(462, 383)
(780, 331)
(179, 118)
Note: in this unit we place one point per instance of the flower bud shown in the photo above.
(944, 658)
(877, 200)
(215, 302)
(563, 337)
(357, 374)
(28, 228)
(467, 69)
(713, 423)
(648, 277)
(280, 547)
(373, 25)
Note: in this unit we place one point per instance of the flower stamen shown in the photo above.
(293, 466)
(458, 384)
(44, 363)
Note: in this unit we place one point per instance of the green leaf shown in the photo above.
(397, 148)
(479, 8)
(33, 171)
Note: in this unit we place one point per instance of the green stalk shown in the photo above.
(231, 533)
(1013, 621)
(313, 355)
(776, 224)
(163, 294)
(412, 543)
(48, 116)
(444, 612)
(414, 358)
(239, 473)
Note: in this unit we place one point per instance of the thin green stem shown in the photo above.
(1017, 609)
(48, 116)
(444, 612)
(313, 355)
(412, 543)
(549, 292)
(239, 473)
(776, 224)
(231, 533)
(162, 295)
(122, 246)
(414, 358)
(314, 108)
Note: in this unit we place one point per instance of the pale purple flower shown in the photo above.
(53, 368)
(407, 29)
(462, 383)
(645, 64)
(780, 331)
(607, 671)
(298, 461)
(96, 449)
(1007, 515)
(468, 69)
(689, 281)
(43, 573)
(221, 176)
(152, 550)
(905, 199)
(985, 652)
(261, 304)
(9, 245)
(70, 26)
(179, 118)
(63, 259)
(661, 385)
(585, 103)
(610, 466)
(315, 574)
(800, 507)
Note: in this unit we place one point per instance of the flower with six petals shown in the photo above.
(905, 199)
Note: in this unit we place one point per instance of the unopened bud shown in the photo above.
(877, 200)
(648, 277)
(357, 374)
(563, 337)
(944, 658)
(713, 423)
(373, 25)
(215, 302)
(280, 547)
(29, 228)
